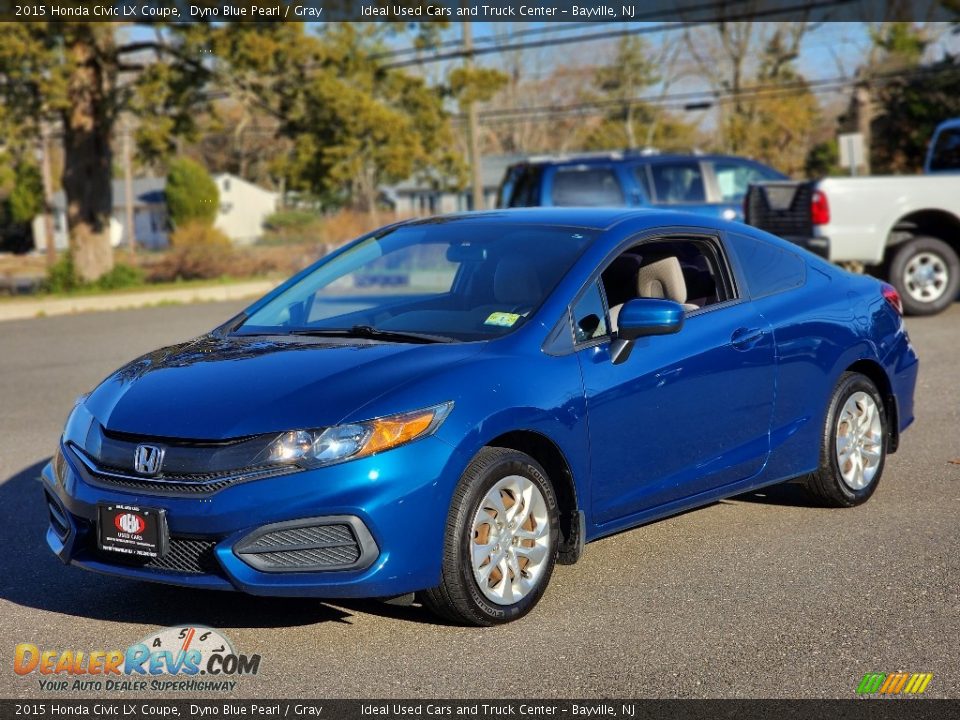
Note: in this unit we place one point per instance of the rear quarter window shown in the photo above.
(768, 269)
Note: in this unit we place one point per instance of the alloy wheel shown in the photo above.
(510, 540)
(859, 440)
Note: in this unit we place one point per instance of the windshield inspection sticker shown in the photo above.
(502, 319)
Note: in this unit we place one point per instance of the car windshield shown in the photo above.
(431, 282)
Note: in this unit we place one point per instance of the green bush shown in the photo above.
(121, 276)
(62, 276)
(192, 195)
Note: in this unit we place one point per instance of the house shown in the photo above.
(416, 196)
(244, 207)
(149, 216)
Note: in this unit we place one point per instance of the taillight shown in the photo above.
(819, 208)
(891, 295)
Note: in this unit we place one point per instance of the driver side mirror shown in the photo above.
(642, 317)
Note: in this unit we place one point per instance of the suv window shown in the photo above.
(589, 316)
(586, 186)
(733, 178)
(522, 187)
(678, 182)
(946, 152)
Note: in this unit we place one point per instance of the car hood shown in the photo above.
(215, 388)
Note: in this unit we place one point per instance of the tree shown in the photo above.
(78, 76)
(191, 194)
(910, 108)
(622, 81)
(767, 110)
(23, 202)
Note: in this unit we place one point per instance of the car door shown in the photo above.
(684, 414)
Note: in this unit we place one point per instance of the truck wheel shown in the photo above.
(926, 273)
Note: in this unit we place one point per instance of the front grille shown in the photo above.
(175, 483)
(309, 545)
(184, 555)
(319, 557)
(187, 556)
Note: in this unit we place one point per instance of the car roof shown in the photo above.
(592, 218)
(629, 156)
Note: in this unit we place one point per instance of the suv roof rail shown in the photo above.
(608, 155)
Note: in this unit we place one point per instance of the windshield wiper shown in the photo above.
(372, 333)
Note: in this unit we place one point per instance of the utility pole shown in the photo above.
(473, 125)
(128, 191)
(47, 194)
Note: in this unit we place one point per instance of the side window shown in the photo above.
(690, 271)
(589, 316)
(768, 269)
(678, 182)
(733, 178)
(522, 187)
(586, 186)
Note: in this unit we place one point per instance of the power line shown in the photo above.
(683, 99)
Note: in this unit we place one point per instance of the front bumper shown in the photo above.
(395, 505)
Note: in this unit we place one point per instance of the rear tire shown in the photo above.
(501, 541)
(926, 273)
(853, 447)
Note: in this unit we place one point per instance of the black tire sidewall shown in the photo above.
(516, 463)
(899, 264)
(849, 385)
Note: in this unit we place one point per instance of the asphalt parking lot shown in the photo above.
(758, 596)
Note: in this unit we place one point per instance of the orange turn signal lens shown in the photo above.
(389, 432)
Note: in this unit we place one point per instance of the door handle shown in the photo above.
(746, 338)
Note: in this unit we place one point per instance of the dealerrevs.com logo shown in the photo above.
(188, 658)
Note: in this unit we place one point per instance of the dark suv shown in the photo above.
(712, 185)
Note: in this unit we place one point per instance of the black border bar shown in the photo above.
(600, 11)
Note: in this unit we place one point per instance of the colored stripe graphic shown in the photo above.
(871, 683)
(894, 683)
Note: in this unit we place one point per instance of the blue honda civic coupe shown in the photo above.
(452, 406)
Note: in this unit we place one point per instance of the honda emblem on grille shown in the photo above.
(147, 459)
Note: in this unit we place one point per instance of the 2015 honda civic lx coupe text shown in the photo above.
(451, 406)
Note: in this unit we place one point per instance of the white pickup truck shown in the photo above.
(904, 229)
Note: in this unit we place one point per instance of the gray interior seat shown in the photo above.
(659, 279)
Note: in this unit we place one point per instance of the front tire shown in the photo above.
(501, 541)
(854, 444)
(926, 273)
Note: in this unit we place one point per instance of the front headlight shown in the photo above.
(315, 448)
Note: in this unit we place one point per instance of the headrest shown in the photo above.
(662, 279)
